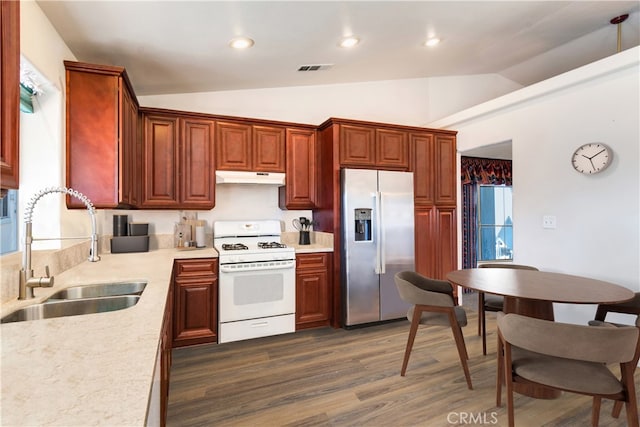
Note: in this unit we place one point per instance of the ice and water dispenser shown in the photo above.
(363, 224)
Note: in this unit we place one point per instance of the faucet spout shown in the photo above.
(27, 279)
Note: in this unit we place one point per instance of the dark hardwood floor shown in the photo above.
(337, 377)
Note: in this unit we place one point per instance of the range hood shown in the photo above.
(242, 177)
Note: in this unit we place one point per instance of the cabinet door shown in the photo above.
(197, 177)
(196, 299)
(423, 170)
(160, 162)
(425, 250)
(9, 93)
(300, 190)
(268, 149)
(233, 146)
(93, 137)
(313, 286)
(392, 149)
(130, 170)
(446, 241)
(445, 179)
(357, 146)
(165, 357)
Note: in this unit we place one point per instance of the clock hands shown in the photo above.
(598, 153)
(591, 158)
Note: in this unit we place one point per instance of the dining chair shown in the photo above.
(433, 303)
(567, 357)
(628, 307)
(491, 302)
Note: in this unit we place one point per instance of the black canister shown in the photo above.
(120, 225)
(305, 239)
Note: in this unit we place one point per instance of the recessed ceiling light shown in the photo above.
(433, 41)
(350, 41)
(241, 43)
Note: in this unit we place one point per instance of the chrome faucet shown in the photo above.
(27, 280)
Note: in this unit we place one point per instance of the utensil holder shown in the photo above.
(305, 238)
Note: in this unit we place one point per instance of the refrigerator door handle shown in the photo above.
(381, 240)
(377, 202)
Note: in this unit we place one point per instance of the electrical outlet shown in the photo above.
(549, 221)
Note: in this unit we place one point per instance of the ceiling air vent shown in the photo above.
(315, 67)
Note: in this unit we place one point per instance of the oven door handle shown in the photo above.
(257, 266)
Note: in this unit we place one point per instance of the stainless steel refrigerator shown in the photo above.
(377, 242)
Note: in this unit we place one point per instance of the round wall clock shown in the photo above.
(591, 158)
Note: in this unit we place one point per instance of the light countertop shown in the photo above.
(94, 369)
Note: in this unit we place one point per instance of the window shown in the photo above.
(9, 222)
(495, 223)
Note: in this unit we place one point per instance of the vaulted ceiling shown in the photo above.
(183, 46)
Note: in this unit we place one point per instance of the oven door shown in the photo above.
(257, 289)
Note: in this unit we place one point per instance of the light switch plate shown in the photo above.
(549, 221)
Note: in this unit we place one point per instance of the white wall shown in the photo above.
(412, 102)
(42, 134)
(598, 217)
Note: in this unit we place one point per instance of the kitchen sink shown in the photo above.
(72, 307)
(99, 290)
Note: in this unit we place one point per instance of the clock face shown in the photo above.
(591, 158)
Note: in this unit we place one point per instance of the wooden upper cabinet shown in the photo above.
(197, 175)
(268, 149)
(9, 93)
(233, 146)
(247, 147)
(368, 146)
(392, 149)
(160, 162)
(357, 146)
(423, 168)
(445, 166)
(178, 162)
(300, 190)
(131, 155)
(101, 122)
(434, 168)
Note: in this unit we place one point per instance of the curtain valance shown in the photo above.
(476, 170)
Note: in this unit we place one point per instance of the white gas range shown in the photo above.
(257, 295)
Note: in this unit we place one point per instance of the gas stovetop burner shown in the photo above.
(234, 246)
(271, 245)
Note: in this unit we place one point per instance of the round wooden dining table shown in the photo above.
(532, 293)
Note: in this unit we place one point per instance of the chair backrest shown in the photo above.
(601, 344)
(506, 265)
(415, 288)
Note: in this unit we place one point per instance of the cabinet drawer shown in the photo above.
(311, 261)
(196, 267)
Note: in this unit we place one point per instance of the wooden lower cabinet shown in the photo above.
(166, 344)
(436, 252)
(313, 290)
(195, 313)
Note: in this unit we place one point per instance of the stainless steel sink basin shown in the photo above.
(99, 290)
(63, 308)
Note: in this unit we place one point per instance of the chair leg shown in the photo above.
(617, 408)
(631, 402)
(509, 386)
(484, 330)
(462, 349)
(480, 311)
(499, 373)
(595, 411)
(415, 322)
